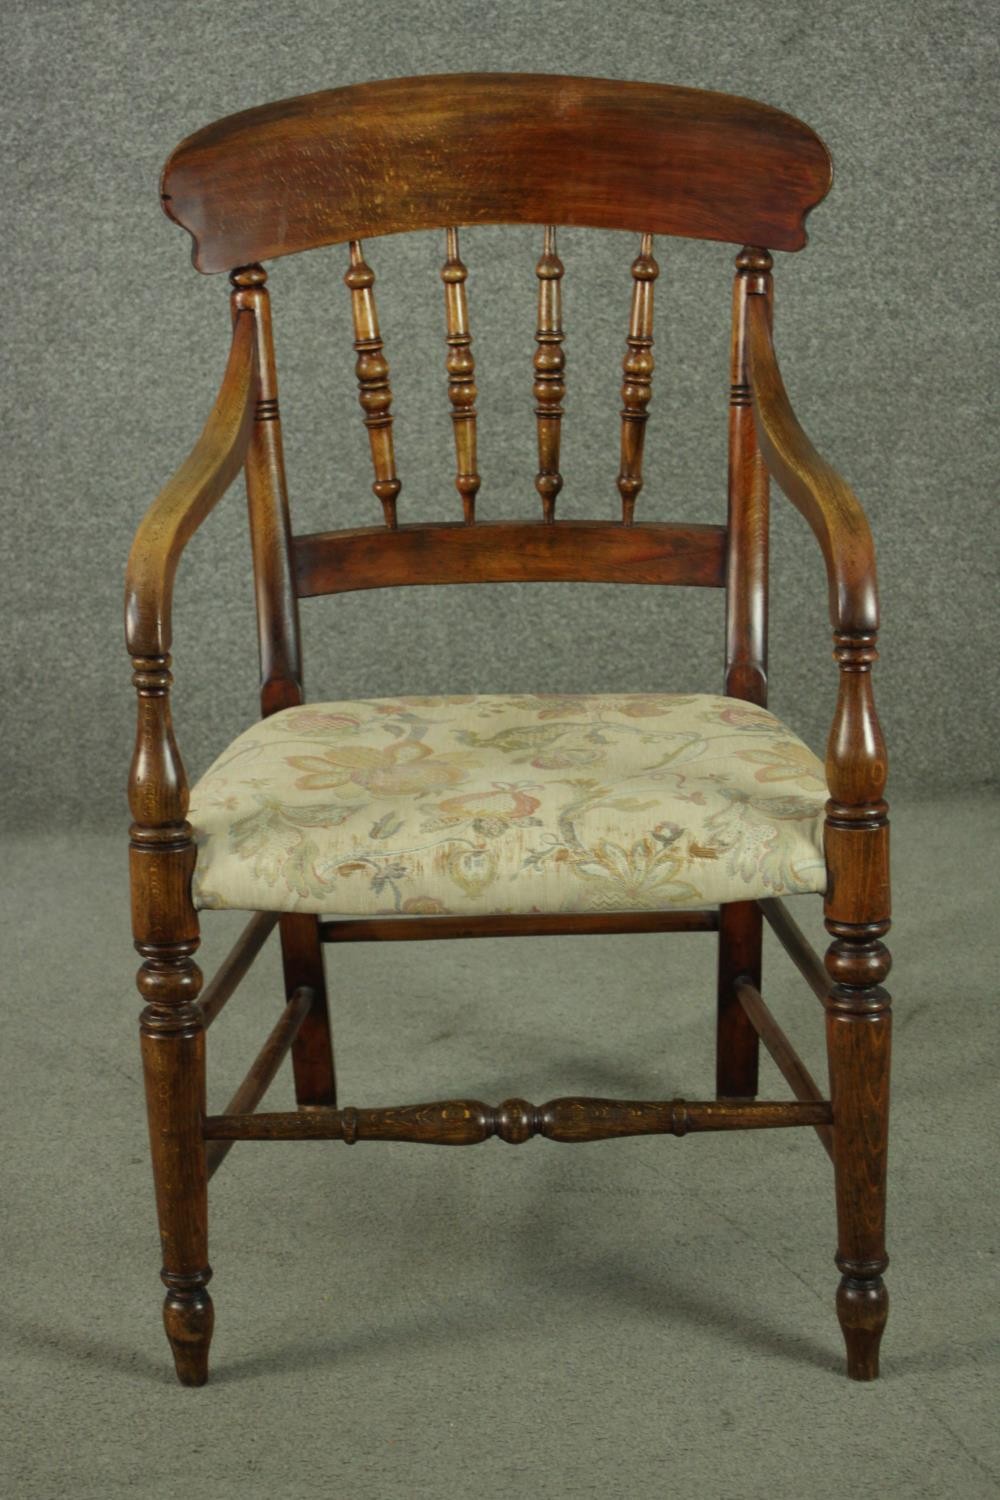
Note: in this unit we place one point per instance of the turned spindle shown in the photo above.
(165, 928)
(469, 1122)
(549, 363)
(461, 368)
(372, 371)
(858, 1010)
(637, 384)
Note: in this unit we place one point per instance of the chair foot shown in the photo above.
(862, 1307)
(189, 1317)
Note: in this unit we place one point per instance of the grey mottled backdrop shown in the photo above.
(885, 327)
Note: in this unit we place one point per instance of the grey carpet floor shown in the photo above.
(639, 1318)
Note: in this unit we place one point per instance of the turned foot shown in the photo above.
(188, 1317)
(862, 1307)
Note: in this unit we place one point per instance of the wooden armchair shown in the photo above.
(486, 815)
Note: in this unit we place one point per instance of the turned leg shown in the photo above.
(858, 1019)
(165, 928)
(173, 1061)
(737, 1043)
(312, 1050)
(858, 1029)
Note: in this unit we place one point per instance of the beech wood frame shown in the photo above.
(235, 222)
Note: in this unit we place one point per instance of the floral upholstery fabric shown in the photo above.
(485, 804)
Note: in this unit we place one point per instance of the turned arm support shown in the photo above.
(188, 498)
(856, 833)
(813, 486)
(162, 854)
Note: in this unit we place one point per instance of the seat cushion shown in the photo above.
(484, 804)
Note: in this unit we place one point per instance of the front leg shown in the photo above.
(858, 1012)
(173, 1065)
(165, 925)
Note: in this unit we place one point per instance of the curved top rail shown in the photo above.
(481, 148)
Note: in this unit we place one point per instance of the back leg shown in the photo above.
(737, 1043)
(312, 1050)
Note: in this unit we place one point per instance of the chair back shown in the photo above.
(451, 151)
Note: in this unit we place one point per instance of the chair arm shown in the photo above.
(188, 497)
(813, 486)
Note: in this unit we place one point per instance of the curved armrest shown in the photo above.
(813, 486)
(188, 497)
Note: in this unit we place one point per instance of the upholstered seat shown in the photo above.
(485, 804)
